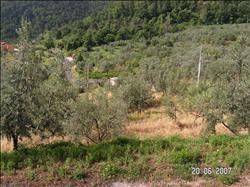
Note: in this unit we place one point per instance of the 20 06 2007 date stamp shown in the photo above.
(210, 171)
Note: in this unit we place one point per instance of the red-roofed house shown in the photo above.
(6, 47)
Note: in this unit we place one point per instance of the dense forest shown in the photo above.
(145, 19)
(44, 15)
(138, 93)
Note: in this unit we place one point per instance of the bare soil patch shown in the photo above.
(20, 180)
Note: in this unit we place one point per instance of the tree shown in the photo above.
(149, 70)
(59, 34)
(34, 99)
(168, 79)
(238, 86)
(20, 80)
(137, 94)
(170, 107)
(48, 41)
(97, 117)
(107, 66)
(55, 97)
(88, 41)
(228, 97)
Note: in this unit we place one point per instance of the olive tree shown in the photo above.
(97, 116)
(170, 79)
(164, 76)
(228, 98)
(20, 79)
(136, 93)
(107, 66)
(34, 99)
(56, 95)
(149, 70)
(238, 86)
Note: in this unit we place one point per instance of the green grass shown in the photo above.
(135, 159)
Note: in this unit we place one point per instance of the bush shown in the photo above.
(97, 117)
(137, 94)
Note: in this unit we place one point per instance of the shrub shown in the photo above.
(137, 94)
(97, 117)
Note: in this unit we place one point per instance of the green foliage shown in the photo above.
(21, 79)
(135, 20)
(78, 174)
(10, 167)
(101, 75)
(170, 108)
(137, 94)
(39, 97)
(183, 170)
(240, 161)
(133, 170)
(61, 171)
(185, 156)
(97, 116)
(129, 157)
(43, 15)
(56, 96)
(109, 170)
(228, 100)
(48, 41)
(228, 179)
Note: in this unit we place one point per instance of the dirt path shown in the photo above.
(244, 181)
(19, 180)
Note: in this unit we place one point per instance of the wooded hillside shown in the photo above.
(44, 15)
(145, 19)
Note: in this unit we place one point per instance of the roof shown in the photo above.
(7, 47)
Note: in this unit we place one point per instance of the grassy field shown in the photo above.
(151, 160)
(162, 152)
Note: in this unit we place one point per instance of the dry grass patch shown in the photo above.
(7, 146)
(154, 123)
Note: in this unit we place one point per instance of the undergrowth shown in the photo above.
(134, 159)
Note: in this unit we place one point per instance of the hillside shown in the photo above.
(164, 62)
(139, 93)
(145, 19)
(181, 48)
(44, 15)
